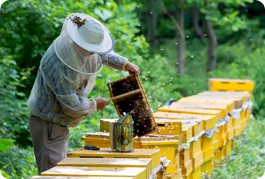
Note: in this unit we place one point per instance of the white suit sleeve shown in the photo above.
(115, 61)
(72, 104)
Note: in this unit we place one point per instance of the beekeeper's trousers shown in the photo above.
(50, 142)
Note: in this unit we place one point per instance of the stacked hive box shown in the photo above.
(193, 133)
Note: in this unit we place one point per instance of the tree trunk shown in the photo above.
(212, 44)
(180, 39)
(195, 23)
(151, 24)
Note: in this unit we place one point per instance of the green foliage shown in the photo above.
(14, 112)
(4, 143)
(247, 157)
(18, 163)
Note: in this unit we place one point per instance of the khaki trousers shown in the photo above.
(50, 142)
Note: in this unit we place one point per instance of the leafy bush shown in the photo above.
(13, 109)
(18, 163)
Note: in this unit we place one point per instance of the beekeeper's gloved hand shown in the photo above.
(132, 68)
(101, 103)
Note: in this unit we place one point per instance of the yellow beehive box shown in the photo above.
(154, 154)
(109, 162)
(138, 173)
(228, 93)
(245, 95)
(236, 122)
(197, 160)
(230, 103)
(195, 148)
(187, 169)
(223, 108)
(196, 173)
(231, 84)
(215, 145)
(186, 133)
(230, 124)
(231, 91)
(208, 121)
(184, 157)
(215, 140)
(167, 149)
(175, 136)
(237, 131)
(171, 127)
(173, 109)
(206, 143)
(208, 165)
(168, 127)
(102, 140)
(230, 134)
(104, 124)
(238, 102)
(178, 175)
(241, 99)
(208, 153)
(222, 136)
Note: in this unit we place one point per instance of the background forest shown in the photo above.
(177, 44)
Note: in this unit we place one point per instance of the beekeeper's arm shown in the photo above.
(117, 62)
(76, 105)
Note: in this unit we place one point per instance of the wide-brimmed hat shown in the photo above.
(89, 33)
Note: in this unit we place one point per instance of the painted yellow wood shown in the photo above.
(208, 121)
(228, 93)
(184, 110)
(196, 174)
(169, 126)
(186, 132)
(167, 148)
(208, 166)
(208, 153)
(187, 169)
(61, 177)
(231, 91)
(138, 173)
(197, 160)
(230, 103)
(223, 108)
(230, 133)
(178, 175)
(195, 148)
(154, 154)
(233, 84)
(109, 162)
(104, 124)
(216, 144)
(104, 142)
(242, 97)
(184, 157)
(237, 100)
(237, 131)
(222, 136)
(177, 159)
(206, 142)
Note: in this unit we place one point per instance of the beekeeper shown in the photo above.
(66, 75)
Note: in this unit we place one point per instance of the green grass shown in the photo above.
(247, 159)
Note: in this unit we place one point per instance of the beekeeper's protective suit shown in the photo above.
(65, 78)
